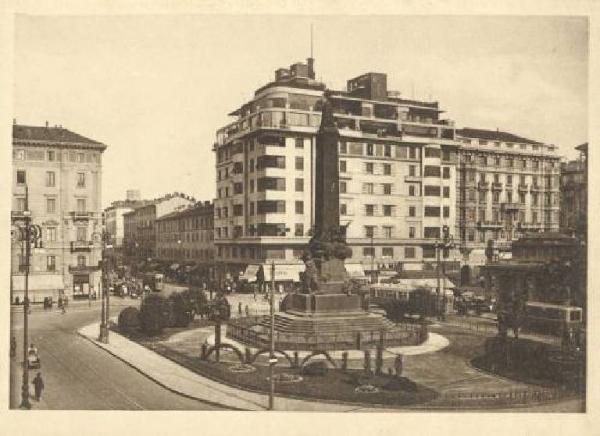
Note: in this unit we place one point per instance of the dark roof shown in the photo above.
(492, 135)
(197, 209)
(51, 134)
(583, 147)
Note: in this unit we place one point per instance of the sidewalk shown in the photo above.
(185, 382)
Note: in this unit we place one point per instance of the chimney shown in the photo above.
(311, 68)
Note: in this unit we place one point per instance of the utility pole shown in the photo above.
(104, 321)
(372, 259)
(272, 359)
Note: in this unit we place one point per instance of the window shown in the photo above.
(369, 231)
(412, 191)
(369, 251)
(387, 251)
(51, 234)
(343, 187)
(343, 166)
(238, 210)
(51, 155)
(369, 149)
(367, 188)
(495, 197)
(509, 196)
(81, 261)
(251, 165)
(522, 197)
(409, 252)
(497, 161)
(299, 185)
(445, 154)
(432, 191)
(446, 212)
(251, 185)
(496, 178)
(19, 155)
(343, 147)
(432, 152)
(509, 162)
(82, 233)
(20, 204)
(509, 180)
(534, 217)
(387, 169)
(369, 168)
(431, 232)
(431, 171)
(299, 163)
(299, 229)
(428, 251)
(299, 143)
(369, 209)
(412, 211)
(343, 209)
(81, 205)
(482, 215)
(432, 211)
(50, 263)
(412, 170)
(300, 207)
(446, 172)
(387, 210)
(81, 180)
(238, 188)
(51, 205)
(482, 196)
(524, 163)
(387, 150)
(446, 191)
(226, 191)
(534, 198)
(387, 188)
(471, 235)
(21, 177)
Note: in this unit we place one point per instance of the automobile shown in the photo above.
(33, 360)
(133, 294)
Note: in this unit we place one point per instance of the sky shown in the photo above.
(156, 88)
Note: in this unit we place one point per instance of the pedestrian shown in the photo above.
(247, 310)
(38, 385)
(240, 308)
(13, 347)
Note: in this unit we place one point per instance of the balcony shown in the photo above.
(412, 178)
(496, 186)
(510, 206)
(523, 188)
(82, 269)
(18, 214)
(78, 215)
(81, 246)
(489, 225)
(483, 185)
(536, 188)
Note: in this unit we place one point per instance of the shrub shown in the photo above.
(129, 320)
(154, 314)
(318, 368)
(180, 309)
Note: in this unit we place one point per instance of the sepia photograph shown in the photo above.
(299, 213)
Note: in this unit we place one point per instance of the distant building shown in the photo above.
(574, 191)
(140, 234)
(133, 195)
(507, 186)
(63, 173)
(397, 163)
(185, 239)
(114, 221)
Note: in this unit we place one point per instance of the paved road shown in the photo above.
(80, 376)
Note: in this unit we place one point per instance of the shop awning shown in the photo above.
(355, 270)
(428, 283)
(284, 273)
(175, 266)
(250, 274)
(38, 282)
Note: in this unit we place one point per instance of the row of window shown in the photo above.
(53, 155)
(174, 253)
(186, 237)
(549, 181)
(534, 147)
(498, 217)
(185, 224)
(50, 262)
(509, 162)
(51, 204)
(51, 179)
(550, 199)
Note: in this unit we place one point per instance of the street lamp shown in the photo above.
(447, 242)
(104, 237)
(29, 234)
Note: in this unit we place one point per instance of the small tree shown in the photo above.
(129, 320)
(153, 314)
(181, 308)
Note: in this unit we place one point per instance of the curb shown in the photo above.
(175, 391)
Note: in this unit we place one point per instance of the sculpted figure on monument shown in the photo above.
(310, 282)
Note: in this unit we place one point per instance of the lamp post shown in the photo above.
(447, 242)
(28, 234)
(372, 259)
(104, 317)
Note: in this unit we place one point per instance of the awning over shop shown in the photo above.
(355, 271)
(428, 283)
(284, 273)
(250, 274)
(175, 266)
(38, 282)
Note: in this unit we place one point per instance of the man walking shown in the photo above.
(38, 385)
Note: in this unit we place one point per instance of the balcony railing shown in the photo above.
(483, 185)
(489, 224)
(78, 246)
(79, 215)
(82, 269)
(510, 206)
(497, 186)
(523, 187)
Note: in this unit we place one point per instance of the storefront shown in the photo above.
(39, 287)
(287, 276)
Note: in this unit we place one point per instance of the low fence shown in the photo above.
(241, 329)
(482, 327)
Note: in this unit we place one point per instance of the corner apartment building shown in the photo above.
(507, 185)
(62, 172)
(397, 174)
(140, 233)
(186, 237)
(573, 194)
